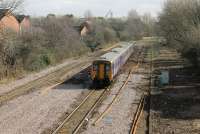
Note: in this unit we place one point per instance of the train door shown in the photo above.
(101, 71)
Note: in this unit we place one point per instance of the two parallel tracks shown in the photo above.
(45, 81)
(76, 119)
(78, 116)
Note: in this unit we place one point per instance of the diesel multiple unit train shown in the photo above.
(107, 66)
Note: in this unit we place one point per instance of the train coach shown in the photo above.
(107, 66)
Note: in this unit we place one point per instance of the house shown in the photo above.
(24, 21)
(8, 21)
(86, 28)
(51, 16)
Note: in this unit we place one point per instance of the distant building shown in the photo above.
(24, 21)
(86, 28)
(8, 21)
(16, 23)
(69, 15)
(51, 16)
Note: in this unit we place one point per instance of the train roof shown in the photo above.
(116, 52)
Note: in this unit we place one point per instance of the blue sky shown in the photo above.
(97, 7)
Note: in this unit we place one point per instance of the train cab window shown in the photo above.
(95, 67)
(107, 67)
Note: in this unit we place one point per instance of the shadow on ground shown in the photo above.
(81, 80)
(181, 98)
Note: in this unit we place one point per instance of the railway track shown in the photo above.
(132, 70)
(46, 81)
(143, 102)
(50, 80)
(78, 116)
(75, 120)
(138, 115)
(116, 96)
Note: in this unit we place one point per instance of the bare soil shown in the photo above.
(175, 107)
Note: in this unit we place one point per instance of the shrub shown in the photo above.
(39, 61)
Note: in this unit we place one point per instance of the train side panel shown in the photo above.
(120, 61)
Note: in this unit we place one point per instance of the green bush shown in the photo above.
(37, 62)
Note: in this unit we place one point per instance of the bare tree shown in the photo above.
(11, 5)
(88, 14)
(8, 47)
(134, 27)
(133, 14)
(149, 24)
(180, 24)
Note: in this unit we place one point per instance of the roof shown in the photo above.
(3, 12)
(111, 56)
(20, 18)
(116, 52)
(87, 24)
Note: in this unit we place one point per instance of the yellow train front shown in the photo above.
(107, 66)
(101, 72)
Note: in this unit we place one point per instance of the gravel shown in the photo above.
(119, 118)
(37, 111)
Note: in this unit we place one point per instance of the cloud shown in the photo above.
(98, 7)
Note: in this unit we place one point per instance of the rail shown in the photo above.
(85, 113)
(49, 80)
(138, 115)
(115, 98)
(119, 91)
(79, 115)
(37, 84)
(70, 115)
(140, 108)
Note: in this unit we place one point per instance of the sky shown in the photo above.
(97, 7)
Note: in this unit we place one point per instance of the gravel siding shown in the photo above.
(37, 111)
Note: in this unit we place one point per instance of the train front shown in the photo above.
(101, 73)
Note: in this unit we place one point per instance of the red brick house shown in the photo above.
(86, 28)
(8, 21)
(24, 22)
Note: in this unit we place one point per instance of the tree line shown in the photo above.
(179, 23)
(52, 39)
